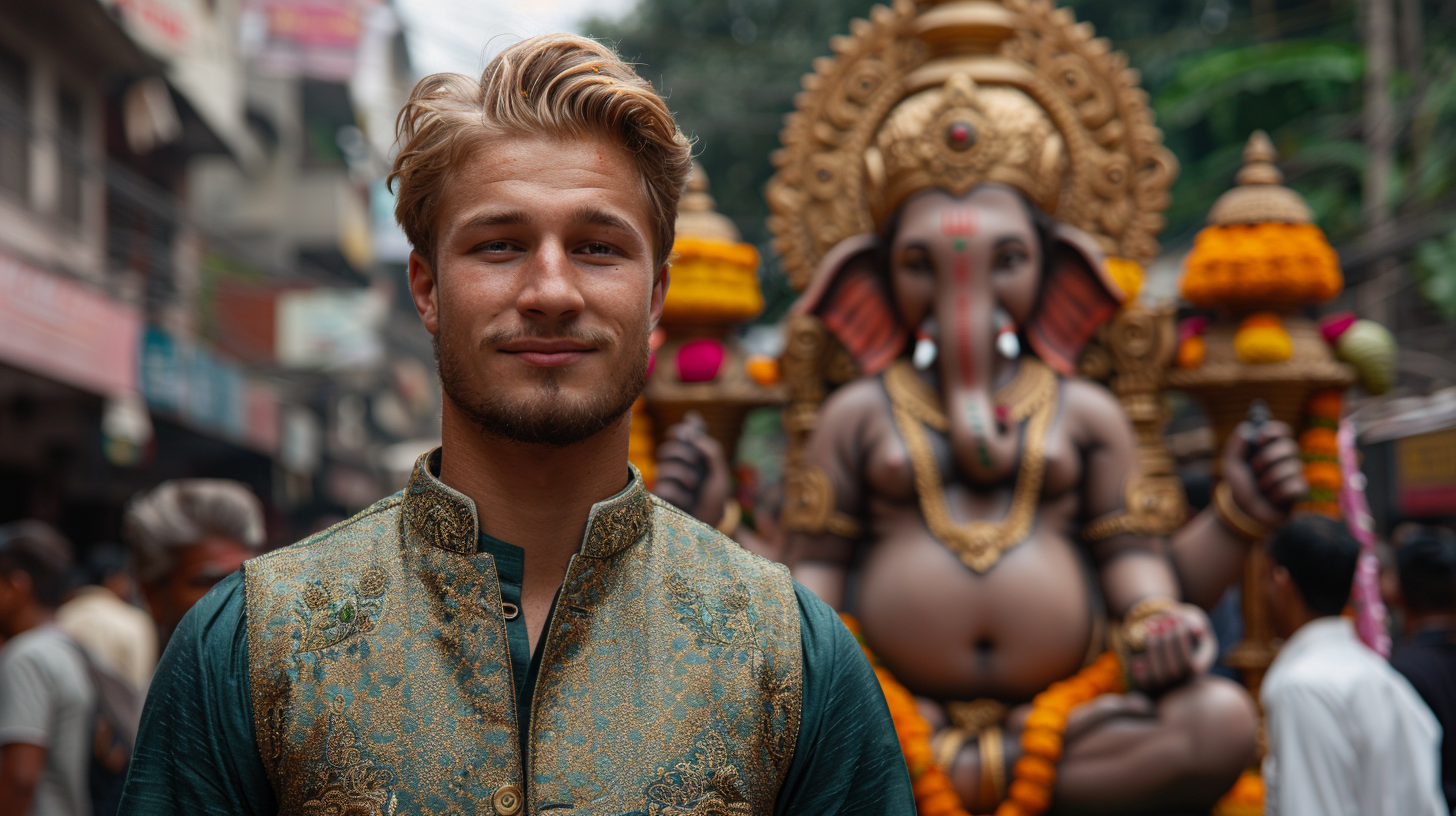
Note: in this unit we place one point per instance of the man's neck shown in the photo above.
(29, 618)
(536, 497)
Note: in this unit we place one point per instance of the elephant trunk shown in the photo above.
(986, 449)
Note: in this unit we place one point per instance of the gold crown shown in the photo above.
(950, 94)
(959, 136)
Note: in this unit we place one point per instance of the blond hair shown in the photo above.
(557, 86)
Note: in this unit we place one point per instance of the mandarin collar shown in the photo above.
(443, 517)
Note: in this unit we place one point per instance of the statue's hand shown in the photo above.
(692, 471)
(1176, 645)
(1267, 477)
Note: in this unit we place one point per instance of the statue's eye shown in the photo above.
(1010, 258)
(916, 259)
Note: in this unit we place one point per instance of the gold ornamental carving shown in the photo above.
(959, 93)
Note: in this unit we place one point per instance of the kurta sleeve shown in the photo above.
(196, 753)
(847, 759)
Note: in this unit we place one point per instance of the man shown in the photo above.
(524, 628)
(1347, 734)
(46, 697)
(120, 638)
(186, 535)
(1427, 655)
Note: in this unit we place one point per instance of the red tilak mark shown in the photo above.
(958, 222)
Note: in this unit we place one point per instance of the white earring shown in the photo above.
(925, 352)
(1008, 344)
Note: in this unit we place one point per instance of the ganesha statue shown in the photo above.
(950, 188)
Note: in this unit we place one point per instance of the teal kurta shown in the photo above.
(198, 751)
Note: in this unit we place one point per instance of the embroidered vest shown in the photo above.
(670, 680)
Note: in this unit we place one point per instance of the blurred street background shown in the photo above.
(200, 275)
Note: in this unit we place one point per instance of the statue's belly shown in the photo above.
(950, 634)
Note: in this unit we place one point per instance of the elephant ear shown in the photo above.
(1077, 297)
(852, 297)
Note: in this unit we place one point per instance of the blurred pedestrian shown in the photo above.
(46, 696)
(186, 535)
(120, 637)
(1427, 653)
(1346, 733)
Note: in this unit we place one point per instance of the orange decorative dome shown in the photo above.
(714, 274)
(1260, 250)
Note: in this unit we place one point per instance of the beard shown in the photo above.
(544, 416)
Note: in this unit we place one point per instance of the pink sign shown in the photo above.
(66, 331)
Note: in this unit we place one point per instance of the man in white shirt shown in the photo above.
(1347, 734)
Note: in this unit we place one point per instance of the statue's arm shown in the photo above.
(823, 516)
(1132, 566)
(1262, 483)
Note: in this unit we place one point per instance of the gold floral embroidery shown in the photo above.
(704, 784)
(351, 786)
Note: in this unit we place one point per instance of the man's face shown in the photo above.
(543, 289)
(197, 569)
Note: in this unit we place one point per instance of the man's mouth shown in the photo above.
(547, 353)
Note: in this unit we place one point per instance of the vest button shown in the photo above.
(507, 800)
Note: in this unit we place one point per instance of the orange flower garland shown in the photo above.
(1259, 264)
(1246, 798)
(1322, 455)
(1033, 775)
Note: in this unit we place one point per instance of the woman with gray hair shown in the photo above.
(186, 535)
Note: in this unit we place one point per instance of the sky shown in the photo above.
(462, 35)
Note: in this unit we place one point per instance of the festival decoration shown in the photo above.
(697, 364)
(1033, 775)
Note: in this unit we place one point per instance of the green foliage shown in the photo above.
(1436, 274)
(1216, 70)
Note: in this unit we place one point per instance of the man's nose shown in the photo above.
(550, 291)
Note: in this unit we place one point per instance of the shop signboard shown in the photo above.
(1426, 474)
(193, 384)
(65, 330)
(313, 38)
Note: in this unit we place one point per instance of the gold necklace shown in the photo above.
(1032, 394)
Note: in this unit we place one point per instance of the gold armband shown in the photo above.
(1234, 517)
(809, 505)
(1152, 506)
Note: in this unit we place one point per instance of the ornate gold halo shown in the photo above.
(1116, 175)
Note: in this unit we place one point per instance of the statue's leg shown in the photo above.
(1181, 760)
(1127, 756)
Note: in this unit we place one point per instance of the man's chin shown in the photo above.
(557, 421)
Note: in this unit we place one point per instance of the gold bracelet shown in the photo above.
(1134, 621)
(1234, 517)
(993, 765)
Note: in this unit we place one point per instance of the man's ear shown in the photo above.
(659, 294)
(424, 291)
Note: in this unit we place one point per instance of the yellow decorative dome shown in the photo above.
(714, 274)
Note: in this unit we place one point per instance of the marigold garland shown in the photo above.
(713, 281)
(1258, 264)
(1033, 775)
(1320, 451)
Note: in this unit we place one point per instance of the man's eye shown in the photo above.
(597, 248)
(496, 246)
